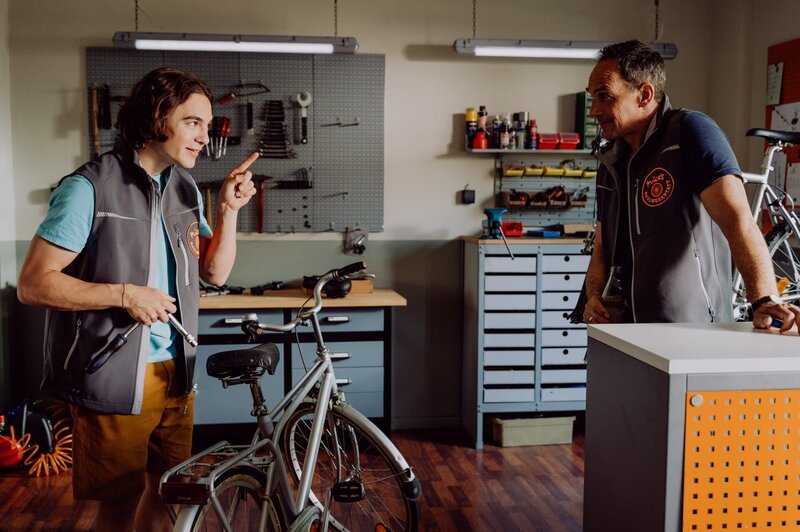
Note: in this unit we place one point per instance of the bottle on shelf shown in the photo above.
(533, 135)
(472, 125)
(613, 298)
(483, 118)
(505, 133)
(494, 141)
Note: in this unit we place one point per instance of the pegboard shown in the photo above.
(787, 53)
(343, 159)
(741, 468)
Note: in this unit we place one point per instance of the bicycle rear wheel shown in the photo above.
(785, 262)
(240, 494)
(349, 453)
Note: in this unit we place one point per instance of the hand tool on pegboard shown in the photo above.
(303, 100)
(206, 188)
(259, 180)
(251, 135)
(275, 137)
(243, 90)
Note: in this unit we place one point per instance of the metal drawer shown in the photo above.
(215, 404)
(560, 282)
(509, 302)
(576, 393)
(568, 355)
(352, 379)
(213, 321)
(563, 376)
(565, 263)
(509, 265)
(506, 395)
(509, 358)
(508, 377)
(559, 319)
(554, 300)
(509, 320)
(348, 320)
(564, 338)
(344, 354)
(368, 403)
(509, 283)
(509, 340)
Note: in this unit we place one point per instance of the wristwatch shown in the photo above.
(761, 301)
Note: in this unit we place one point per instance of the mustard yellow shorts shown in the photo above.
(111, 453)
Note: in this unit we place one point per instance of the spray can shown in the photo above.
(472, 125)
(483, 118)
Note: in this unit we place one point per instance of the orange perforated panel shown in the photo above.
(741, 465)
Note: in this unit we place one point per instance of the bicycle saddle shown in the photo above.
(789, 137)
(244, 362)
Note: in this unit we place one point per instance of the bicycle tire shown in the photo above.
(361, 457)
(785, 262)
(239, 493)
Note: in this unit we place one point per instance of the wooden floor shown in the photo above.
(508, 489)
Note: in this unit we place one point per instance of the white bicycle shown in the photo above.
(779, 207)
(314, 464)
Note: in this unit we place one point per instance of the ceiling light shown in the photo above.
(206, 42)
(545, 49)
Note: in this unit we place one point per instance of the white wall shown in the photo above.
(8, 266)
(427, 85)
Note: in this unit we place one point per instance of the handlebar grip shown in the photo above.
(103, 357)
(351, 269)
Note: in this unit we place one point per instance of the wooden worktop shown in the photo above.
(296, 297)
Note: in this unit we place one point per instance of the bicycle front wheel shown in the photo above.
(350, 454)
(241, 497)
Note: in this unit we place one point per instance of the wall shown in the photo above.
(428, 87)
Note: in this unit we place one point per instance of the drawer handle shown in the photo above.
(343, 382)
(565, 315)
(336, 319)
(340, 356)
(565, 298)
(232, 321)
(566, 351)
(565, 333)
(566, 258)
(566, 277)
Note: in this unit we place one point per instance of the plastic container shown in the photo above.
(548, 141)
(512, 229)
(568, 141)
(536, 431)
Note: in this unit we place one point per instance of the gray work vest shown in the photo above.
(681, 259)
(121, 249)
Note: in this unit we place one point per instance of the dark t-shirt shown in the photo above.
(708, 156)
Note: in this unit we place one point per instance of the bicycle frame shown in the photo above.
(777, 211)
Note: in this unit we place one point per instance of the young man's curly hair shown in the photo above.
(142, 117)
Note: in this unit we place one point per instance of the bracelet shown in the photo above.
(123, 296)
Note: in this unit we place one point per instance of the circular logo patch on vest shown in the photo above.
(657, 187)
(193, 239)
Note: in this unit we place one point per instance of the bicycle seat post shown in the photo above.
(260, 411)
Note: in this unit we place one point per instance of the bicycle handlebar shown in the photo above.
(251, 327)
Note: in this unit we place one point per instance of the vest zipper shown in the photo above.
(630, 232)
(636, 206)
(185, 256)
(709, 306)
(74, 343)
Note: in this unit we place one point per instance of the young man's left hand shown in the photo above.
(238, 188)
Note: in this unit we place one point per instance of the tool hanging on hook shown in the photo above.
(303, 99)
(241, 90)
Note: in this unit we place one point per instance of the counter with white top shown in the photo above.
(678, 417)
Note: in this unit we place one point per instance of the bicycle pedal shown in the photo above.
(348, 491)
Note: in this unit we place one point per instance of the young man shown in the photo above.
(671, 204)
(124, 242)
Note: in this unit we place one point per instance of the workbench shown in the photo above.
(691, 427)
(357, 330)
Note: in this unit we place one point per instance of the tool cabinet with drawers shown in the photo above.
(358, 336)
(521, 353)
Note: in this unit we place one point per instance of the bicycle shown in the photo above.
(780, 209)
(314, 463)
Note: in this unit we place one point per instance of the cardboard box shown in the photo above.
(533, 431)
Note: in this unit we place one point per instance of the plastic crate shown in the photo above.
(568, 141)
(548, 141)
(533, 431)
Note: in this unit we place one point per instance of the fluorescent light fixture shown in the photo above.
(208, 42)
(544, 49)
